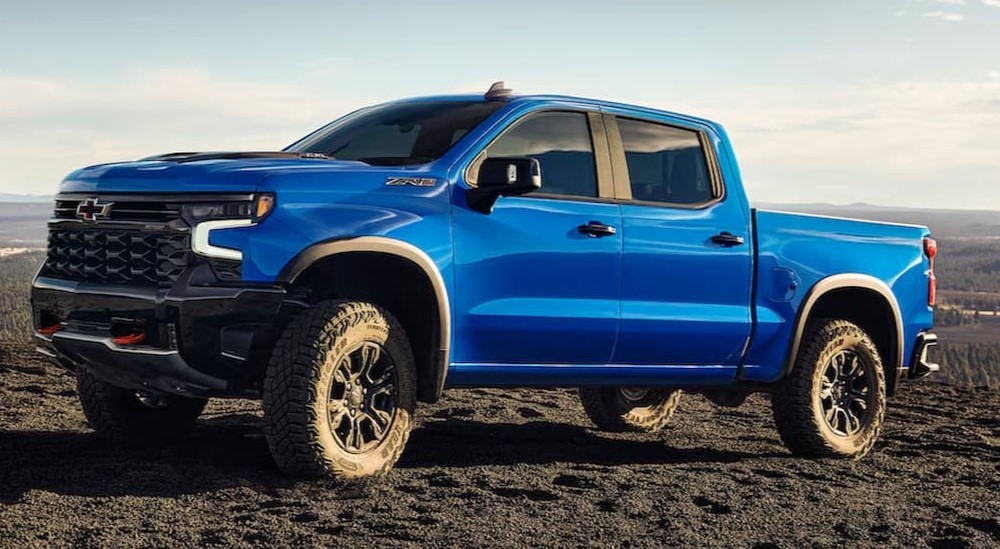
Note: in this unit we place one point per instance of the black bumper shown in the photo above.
(198, 340)
(920, 364)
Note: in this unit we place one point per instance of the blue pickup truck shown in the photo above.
(470, 241)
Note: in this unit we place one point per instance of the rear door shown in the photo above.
(687, 257)
(531, 286)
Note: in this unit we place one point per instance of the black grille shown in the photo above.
(116, 256)
(149, 212)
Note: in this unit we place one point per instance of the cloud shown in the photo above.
(916, 143)
(991, 3)
(904, 143)
(54, 125)
(945, 16)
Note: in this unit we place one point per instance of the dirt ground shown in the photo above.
(504, 468)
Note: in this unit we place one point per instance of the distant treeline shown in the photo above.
(972, 364)
(16, 272)
(954, 317)
(969, 266)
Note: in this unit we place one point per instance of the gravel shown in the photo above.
(503, 468)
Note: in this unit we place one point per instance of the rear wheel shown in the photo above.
(833, 402)
(126, 416)
(629, 408)
(340, 392)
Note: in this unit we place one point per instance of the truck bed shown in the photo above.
(795, 251)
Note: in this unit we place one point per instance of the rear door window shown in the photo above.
(665, 163)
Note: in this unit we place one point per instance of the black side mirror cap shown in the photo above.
(503, 177)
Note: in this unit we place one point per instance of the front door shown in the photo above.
(535, 283)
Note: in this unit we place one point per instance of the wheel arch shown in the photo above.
(330, 256)
(864, 300)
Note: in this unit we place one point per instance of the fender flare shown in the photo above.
(389, 246)
(850, 281)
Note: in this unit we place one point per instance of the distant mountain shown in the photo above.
(21, 198)
(943, 223)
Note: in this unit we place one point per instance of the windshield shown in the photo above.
(398, 134)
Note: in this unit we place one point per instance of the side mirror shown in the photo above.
(503, 177)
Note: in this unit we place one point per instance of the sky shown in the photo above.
(892, 102)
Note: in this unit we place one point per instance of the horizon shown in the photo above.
(896, 102)
(45, 199)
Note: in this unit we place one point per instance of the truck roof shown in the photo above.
(540, 98)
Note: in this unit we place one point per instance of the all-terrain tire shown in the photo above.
(620, 409)
(119, 414)
(800, 408)
(305, 422)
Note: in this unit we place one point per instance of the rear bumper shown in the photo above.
(920, 364)
(198, 340)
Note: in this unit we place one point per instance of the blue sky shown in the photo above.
(883, 101)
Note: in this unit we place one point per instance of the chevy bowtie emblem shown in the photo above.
(412, 181)
(93, 209)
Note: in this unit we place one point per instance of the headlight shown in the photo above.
(255, 210)
(207, 217)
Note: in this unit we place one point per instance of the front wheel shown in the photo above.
(340, 392)
(833, 401)
(629, 408)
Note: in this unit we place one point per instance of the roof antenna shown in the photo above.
(498, 93)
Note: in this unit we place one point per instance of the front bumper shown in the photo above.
(920, 364)
(199, 341)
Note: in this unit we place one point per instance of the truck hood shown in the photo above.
(215, 172)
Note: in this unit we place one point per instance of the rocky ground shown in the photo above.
(502, 468)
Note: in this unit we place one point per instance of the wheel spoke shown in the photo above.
(860, 402)
(838, 364)
(826, 389)
(356, 437)
(852, 366)
(379, 421)
(342, 373)
(385, 379)
(831, 416)
(843, 420)
(336, 410)
(370, 355)
(853, 422)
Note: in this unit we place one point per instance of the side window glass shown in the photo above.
(665, 164)
(560, 141)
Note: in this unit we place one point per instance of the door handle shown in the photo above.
(727, 239)
(596, 229)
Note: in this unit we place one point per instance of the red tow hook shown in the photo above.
(129, 339)
(49, 330)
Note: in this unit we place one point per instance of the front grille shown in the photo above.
(148, 212)
(94, 254)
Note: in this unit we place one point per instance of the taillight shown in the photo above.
(930, 250)
(930, 247)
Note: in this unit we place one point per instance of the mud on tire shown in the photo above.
(339, 392)
(629, 409)
(832, 403)
(119, 414)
